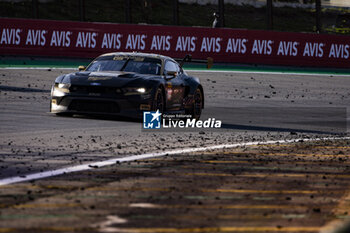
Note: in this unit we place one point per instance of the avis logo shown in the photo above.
(151, 120)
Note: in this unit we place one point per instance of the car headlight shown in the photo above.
(135, 91)
(60, 89)
(64, 85)
(141, 90)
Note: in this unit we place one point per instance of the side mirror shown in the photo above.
(81, 68)
(171, 73)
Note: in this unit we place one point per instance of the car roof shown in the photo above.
(150, 55)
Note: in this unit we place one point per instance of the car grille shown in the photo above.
(94, 106)
(94, 89)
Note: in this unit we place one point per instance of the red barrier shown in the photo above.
(78, 39)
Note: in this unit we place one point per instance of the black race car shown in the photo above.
(126, 84)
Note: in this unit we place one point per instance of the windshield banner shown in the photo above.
(88, 40)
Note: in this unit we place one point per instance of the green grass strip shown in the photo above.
(73, 64)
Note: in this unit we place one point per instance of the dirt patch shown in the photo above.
(269, 188)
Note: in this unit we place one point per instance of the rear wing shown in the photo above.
(188, 58)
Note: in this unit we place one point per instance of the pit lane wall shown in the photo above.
(88, 40)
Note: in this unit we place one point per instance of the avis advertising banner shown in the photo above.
(88, 40)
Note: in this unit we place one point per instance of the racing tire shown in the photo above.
(197, 106)
(158, 101)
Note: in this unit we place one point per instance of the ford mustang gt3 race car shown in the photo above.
(127, 84)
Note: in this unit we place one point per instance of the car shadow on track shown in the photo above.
(22, 89)
(100, 117)
(224, 125)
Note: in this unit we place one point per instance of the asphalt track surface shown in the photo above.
(253, 107)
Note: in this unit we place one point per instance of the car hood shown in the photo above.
(113, 79)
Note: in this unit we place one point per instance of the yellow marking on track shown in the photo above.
(222, 152)
(272, 154)
(127, 189)
(261, 175)
(294, 175)
(46, 229)
(156, 206)
(260, 217)
(154, 159)
(41, 205)
(232, 153)
(230, 217)
(258, 161)
(42, 186)
(274, 145)
(218, 229)
(336, 147)
(262, 191)
(283, 154)
(24, 186)
(217, 190)
(248, 162)
(19, 186)
(60, 187)
(223, 161)
(272, 175)
(299, 147)
(206, 174)
(211, 190)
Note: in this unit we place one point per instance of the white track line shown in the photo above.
(77, 168)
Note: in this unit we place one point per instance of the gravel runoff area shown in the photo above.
(297, 187)
(31, 140)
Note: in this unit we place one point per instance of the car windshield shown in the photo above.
(141, 65)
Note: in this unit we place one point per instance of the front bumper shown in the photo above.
(129, 106)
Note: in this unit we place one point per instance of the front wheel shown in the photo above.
(158, 101)
(197, 106)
